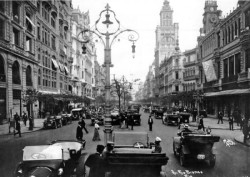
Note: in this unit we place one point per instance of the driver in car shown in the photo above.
(158, 147)
(185, 130)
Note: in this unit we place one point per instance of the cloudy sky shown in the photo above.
(143, 16)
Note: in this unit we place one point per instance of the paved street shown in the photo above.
(227, 156)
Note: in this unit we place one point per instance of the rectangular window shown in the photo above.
(2, 6)
(176, 75)
(53, 42)
(38, 31)
(231, 66)
(177, 88)
(28, 44)
(2, 28)
(29, 26)
(237, 63)
(15, 11)
(16, 36)
(225, 65)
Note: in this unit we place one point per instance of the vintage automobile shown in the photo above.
(136, 116)
(171, 116)
(98, 117)
(159, 113)
(133, 156)
(195, 145)
(66, 119)
(154, 109)
(52, 122)
(60, 158)
(115, 117)
(76, 113)
(184, 117)
(146, 109)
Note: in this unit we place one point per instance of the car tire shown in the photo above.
(211, 162)
(182, 159)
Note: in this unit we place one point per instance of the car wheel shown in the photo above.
(182, 159)
(211, 162)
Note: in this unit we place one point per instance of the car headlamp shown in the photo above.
(20, 171)
(60, 171)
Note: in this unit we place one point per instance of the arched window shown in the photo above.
(2, 71)
(16, 73)
(28, 76)
(39, 77)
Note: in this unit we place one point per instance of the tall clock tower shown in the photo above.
(166, 33)
(211, 15)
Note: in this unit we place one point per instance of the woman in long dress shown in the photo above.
(96, 136)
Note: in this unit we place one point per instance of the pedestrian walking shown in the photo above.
(235, 116)
(132, 122)
(245, 130)
(242, 119)
(220, 117)
(96, 136)
(83, 124)
(231, 122)
(18, 129)
(79, 133)
(95, 163)
(150, 123)
(201, 124)
(194, 112)
(25, 118)
(16, 117)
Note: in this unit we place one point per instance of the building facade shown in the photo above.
(18, 61)
(224, 59)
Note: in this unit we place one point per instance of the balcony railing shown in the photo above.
(229, 79)
(210, 84)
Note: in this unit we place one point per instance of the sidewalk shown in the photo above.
(212, 122)
(38, 125)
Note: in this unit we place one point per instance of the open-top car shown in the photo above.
(66, 119)
(42, 160)
(132, 114)
(159, 113)
(52, 122)
(195, 145)
(171, 116)
(60, 158)
(133, 156)
(184, 117)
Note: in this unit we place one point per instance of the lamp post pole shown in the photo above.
(84, 38)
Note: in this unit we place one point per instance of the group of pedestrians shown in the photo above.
(17, 121)
(82, 125)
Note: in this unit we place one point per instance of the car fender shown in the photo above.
(185, 149)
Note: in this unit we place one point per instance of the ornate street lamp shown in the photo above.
(107, 35)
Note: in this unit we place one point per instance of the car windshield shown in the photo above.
(66, 146)
(46, 152)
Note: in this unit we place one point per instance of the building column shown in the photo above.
(9, 89)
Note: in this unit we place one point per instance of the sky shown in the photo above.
(143, 16)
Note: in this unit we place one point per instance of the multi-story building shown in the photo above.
(99, 80)
(82, 68)
(18, 62)
(224, 59)
(53, 46)
(166, 41)
(190, 73)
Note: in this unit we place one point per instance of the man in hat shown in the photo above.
(95, 163)
(157, 145)
(150, 123)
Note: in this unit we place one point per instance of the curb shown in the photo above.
(214, 127)
(21, 132)
(241, 142)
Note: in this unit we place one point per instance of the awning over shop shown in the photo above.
(66, 70)
(47, 92)
(61, 67)
(228, 92)
(54, 63)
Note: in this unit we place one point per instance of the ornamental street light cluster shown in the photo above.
(107, 31)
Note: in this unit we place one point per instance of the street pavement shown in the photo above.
(209, 121)
(231, 161)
